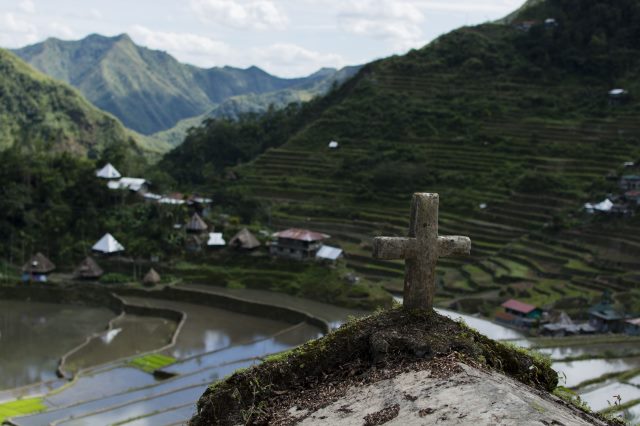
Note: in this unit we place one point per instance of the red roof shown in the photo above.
(635, 321)
(632, 194)
(517, 306)
(301, 235)
(505, 316)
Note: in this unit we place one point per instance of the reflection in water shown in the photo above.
(633, 414)
(579, 371)
(604, 396)
(108, 336)
(215, 339)
(488, 328)
(617, 350)
(208, 329)
(126, 393)
(131, 335)
(33, 337)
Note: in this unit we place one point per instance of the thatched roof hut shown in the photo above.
(244, 240)
(196, 224)
(88, 269)
(151, 278)
(38, 264)
(193, 243)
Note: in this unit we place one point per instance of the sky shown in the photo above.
(288, 38)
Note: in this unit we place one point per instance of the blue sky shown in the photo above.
(285, 37)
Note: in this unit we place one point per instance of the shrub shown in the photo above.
(114, 278)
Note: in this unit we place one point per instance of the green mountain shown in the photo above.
(41, 114)
(236, 106)
(148, 90)
(513, 128)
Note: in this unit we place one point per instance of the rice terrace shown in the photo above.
(355, 212)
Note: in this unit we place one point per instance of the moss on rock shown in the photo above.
(362, 351)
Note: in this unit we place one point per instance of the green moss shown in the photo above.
(21, 407)
(411, 336)
(152, 362)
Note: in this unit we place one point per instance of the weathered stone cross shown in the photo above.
(421, 251)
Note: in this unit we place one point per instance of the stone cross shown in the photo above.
(421, 251)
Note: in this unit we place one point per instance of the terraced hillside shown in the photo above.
(513, 128)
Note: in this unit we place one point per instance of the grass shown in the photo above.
(151, 363)
(21, 407)
(303, 279)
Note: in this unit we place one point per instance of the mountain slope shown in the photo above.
(237, 106)
(39, 113)
(513, 128)
(148, 90)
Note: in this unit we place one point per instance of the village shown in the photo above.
(304, 245)
(626, 202)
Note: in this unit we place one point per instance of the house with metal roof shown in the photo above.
(107, 245)
(108, 172)
(37, 269)
(216, 240)
(630, 182)
(519, 314)
(329, 254)
(606, 319)
(632, 327)
(618, 96)
(132, 184)
(633, 197)
(299, 244)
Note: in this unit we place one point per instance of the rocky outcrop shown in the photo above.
(396, 367)
(469, 396)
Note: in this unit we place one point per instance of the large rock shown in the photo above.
(470, 396)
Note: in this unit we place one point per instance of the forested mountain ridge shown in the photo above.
(149, 90)
(511, 123)
(38, 113)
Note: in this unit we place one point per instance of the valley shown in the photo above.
(231, 223)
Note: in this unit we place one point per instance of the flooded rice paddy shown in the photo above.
(213, 343)
(34, 336)
(129, 335)
(208, 329)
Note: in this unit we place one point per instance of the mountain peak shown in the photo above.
(123, 37)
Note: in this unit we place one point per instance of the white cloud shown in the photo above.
(27, 6)
(400, 22)
(282, 59)
(15, 32)
(60, 30)
(191, 48)
(466, 6)
(95, 14)
(290, 60)
(254, 14)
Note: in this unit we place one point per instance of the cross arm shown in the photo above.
(390, 248)
(454, 246)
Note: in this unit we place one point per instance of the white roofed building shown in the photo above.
(132, 184)
(216, 240)
(333, 145)
(107, 245)
(328, 253)
(108, 172)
